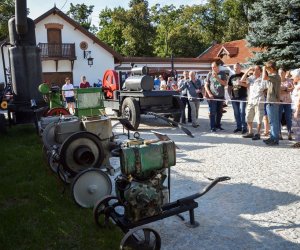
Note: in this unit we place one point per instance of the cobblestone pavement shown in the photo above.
(257, 209)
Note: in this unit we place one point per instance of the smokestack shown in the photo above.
(21, 17)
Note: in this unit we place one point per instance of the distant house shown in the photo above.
(229, 53)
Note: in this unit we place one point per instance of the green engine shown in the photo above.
(141, 187)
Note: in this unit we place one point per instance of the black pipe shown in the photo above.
(21, 17)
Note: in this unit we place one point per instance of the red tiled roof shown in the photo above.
(235, 52)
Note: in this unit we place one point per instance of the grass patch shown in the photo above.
(34, 213)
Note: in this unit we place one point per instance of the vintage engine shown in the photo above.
(140, 187)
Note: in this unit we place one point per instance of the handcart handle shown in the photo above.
(205, 190)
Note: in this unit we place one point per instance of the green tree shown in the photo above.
(236, 16)
(81, 14)
(111, 26)
(275, 27)
(214, 21)
(166, 20)
(139, 32)
(7, 10)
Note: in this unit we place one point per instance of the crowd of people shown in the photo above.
(270, 95)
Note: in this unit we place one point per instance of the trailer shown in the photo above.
(136, 97)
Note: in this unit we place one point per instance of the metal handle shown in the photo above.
(205, 190)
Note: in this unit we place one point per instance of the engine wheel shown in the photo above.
(141, 238)
(80, 151)
(104, 207)
(57, 112)
(90, 186)
(131, 111)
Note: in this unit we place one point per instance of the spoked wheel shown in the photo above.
(90, 186)
(57, 112)
(104, 207)
(141, 238)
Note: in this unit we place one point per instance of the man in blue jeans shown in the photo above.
(237, 90)
(215, 82)
(273, 97)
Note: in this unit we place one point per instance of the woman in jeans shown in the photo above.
(285, 96)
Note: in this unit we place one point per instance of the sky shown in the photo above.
(37, 8)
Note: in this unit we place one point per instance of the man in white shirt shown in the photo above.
(256, 95)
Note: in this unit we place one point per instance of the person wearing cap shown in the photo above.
(296, 106)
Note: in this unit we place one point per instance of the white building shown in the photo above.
(67, 48)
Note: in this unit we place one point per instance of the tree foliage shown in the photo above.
(275, 26)
(7, 10)
(81, 14)
(165, 30)
(111, 26)
(138, 32)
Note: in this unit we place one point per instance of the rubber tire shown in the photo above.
(177, 103)
(134, 110)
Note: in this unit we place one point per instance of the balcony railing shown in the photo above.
(57, 51)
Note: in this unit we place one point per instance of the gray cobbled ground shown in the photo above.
(257, 209)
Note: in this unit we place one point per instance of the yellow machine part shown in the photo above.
(3, 105)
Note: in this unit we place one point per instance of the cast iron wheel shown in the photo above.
(131, 111)
(90, 186)
(177, 103)
(57, 112)
(141, 238)
(104, 207)
(80, 151)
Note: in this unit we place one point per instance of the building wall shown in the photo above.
(103, 60)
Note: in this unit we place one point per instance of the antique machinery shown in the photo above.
(52, 95)
(25, 65)
(142, 196)
(73, 145)
(89, 101)
(137, 97)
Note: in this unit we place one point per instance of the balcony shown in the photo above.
(57, 51)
